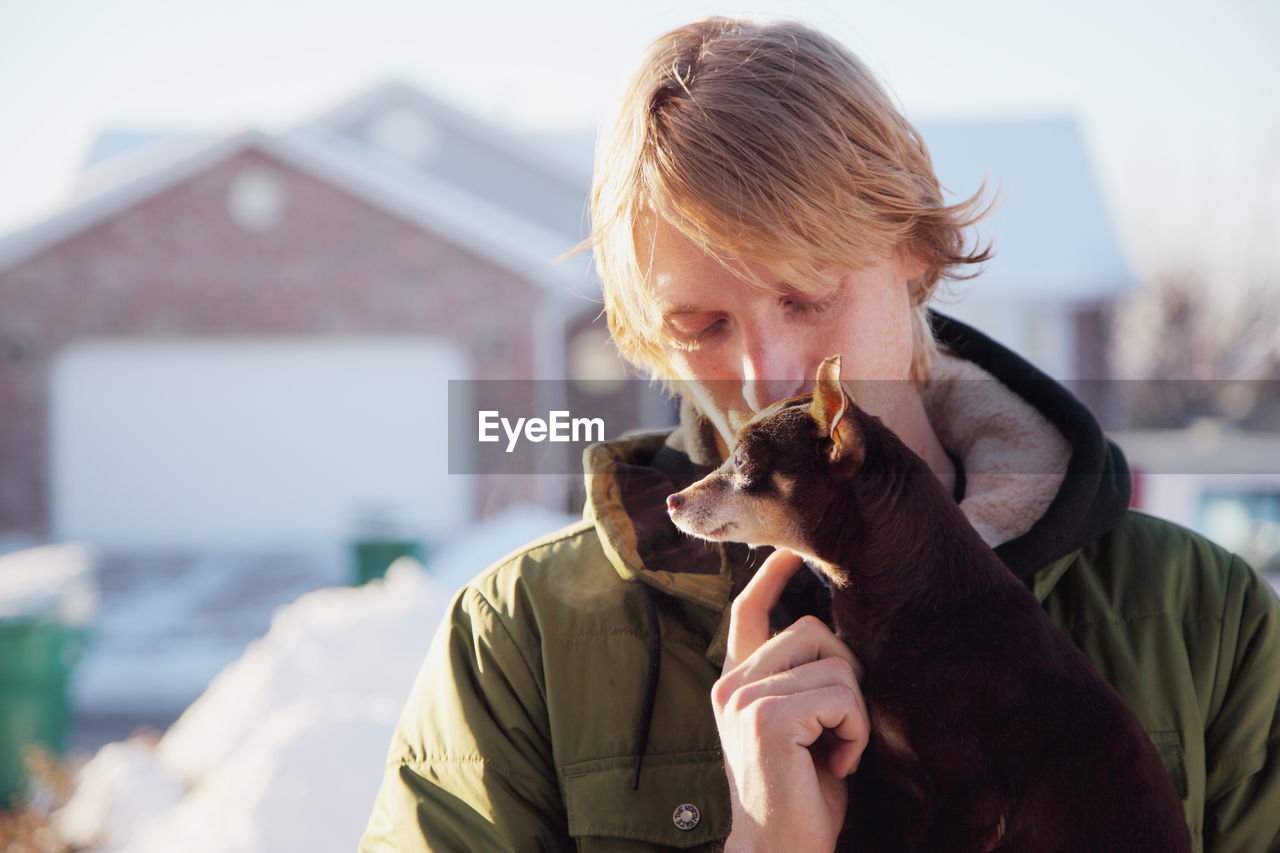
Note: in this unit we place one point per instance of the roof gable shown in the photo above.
(524, 248)
(1053, 236)
(397, 122)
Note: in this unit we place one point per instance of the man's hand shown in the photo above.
(792, 722)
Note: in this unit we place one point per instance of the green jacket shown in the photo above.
(558, 665)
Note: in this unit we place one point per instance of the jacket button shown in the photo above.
(686, 816)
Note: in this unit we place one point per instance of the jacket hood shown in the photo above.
(1042, 480)
(1095, 486)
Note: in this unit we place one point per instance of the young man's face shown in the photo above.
(744, 349)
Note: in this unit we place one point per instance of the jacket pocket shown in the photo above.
(682, 801)
(1169, 745)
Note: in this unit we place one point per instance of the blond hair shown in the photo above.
(770, 143)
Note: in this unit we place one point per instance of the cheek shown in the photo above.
(875, 336)
(697, 365)
(713, 386)
(875, 344)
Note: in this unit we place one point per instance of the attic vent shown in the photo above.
(256, 199)
(404, 134)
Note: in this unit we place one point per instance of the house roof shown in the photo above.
(399, 92)
(1052, 234)
(458, 148)
(525, 248)
(520, 200)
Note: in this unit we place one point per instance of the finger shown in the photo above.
(827, 672)
(801, 718)
(749, 614)
(807, 639)
(836, 757)
(845, 756)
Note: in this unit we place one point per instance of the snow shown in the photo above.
(331, 650)
(125, 778)
(284, 750)
(53, 582)
(169, 623)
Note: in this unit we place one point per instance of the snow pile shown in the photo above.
(50, 581)
(285, 749)
(125, 778)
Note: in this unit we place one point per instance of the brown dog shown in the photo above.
(990, 729)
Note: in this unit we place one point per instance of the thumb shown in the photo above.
(749, 615)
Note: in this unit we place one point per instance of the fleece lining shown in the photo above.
(1014, 458)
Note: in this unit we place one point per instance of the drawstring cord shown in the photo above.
(654, 635)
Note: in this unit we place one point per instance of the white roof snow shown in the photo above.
(1053, 236)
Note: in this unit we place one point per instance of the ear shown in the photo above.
(829, 399)
(830, 409)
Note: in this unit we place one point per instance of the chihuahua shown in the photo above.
(990, 728)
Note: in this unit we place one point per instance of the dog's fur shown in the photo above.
(990, 729)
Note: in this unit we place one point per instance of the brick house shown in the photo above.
(247, 338)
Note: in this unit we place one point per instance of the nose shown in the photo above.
(770, 372)
(674, 502)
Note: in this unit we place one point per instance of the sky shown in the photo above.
(1179, 101)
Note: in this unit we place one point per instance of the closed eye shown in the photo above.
(691, 330)
(688, 331)
(711, 331)
(810, 306)
(798, 307)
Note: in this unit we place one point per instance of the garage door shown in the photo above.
(252, 441)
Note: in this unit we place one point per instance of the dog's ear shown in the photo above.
(831, 410)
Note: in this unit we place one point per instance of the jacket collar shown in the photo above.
(1043, 480)
(1095, 489)
(627, 483)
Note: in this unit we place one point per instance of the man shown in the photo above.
(759, 206)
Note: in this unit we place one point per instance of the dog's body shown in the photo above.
(990, 729)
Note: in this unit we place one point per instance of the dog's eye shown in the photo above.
(741, 468)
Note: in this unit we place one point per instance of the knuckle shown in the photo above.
(835, 670)
(740, 700)
(846, 694)
(763, 713)
(841, 671)
(722, 692)
(729, 697)
(812, 624)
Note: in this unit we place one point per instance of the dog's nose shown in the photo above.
(674, 502)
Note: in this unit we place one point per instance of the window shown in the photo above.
(1244, 521)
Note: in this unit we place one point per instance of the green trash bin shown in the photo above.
(37, 656)
(374, 556)
(47, 597)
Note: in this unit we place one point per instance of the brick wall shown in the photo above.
(178, 265)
